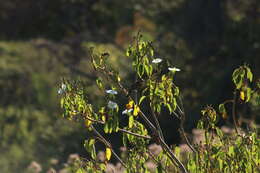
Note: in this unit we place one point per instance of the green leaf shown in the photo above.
(128, 52)
(174, 104)
(200, 124)
(219, 133)
(238, 77)
(140, 71)
(99, 83)
(231, 150)
(141, 99)
(62, 102)
(124, 139)
(249, 74)
(147, 69)
(169, 108)
(102, 166)
(257, 99)
(81, 170)
(151, 52)
(110, 126)
(159, 169)
(106, 129)
(248, 94)
(131, 121)
(221, 108)
(90, 147)
(223, 111)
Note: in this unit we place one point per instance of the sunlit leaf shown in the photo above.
(141, 99)
(81, 170)
(249, 74)
(248, 94)
(136, 110)
(88, 123)
(108, 153)
(223, 111)
(242, 95)
(130, 121)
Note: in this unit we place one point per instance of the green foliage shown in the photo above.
(226, 153)
(219, 152)
(30, 69)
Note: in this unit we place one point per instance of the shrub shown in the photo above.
(154, 89)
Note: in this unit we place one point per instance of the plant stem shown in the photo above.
(234, 111)
(157, 161)
(173, 158)
(134, 134)
(187, 140)
(108, 145)
(120, 129)
(153, 114)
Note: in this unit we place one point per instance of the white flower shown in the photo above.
(111, 105)
(157, 60)
(63, 86)
(113, 92)
(126, 111)
(60, 91)
(174, 69)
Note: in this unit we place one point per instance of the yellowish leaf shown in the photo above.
(88, 123)
(242, 95)
(103, 117)
(136, 110)
(108, 153)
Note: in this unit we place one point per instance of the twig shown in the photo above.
(187, 140)
(134, 134)
(108, 145)
(153, 114)
(120, 129)
(234, 111)
(182, 131)
(157, 161)
(173, 158)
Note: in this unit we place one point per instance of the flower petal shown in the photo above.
(174, 69)
(112, 105)
(113, 92)
(157, 60)
(126, 111)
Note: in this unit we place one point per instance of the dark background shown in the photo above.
(42, 41)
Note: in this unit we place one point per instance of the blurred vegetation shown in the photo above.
(42, 41)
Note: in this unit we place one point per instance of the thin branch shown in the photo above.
(120, 129)
(148, 122)
(187, 140)
(96, 121)
(173, 158)
(182, 131)
(134, 134)
(234, 111)
(108, 145)
(157, 124)
(157, 161)
(153, 114)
